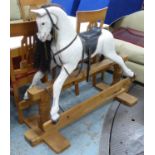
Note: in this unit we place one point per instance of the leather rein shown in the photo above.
(61, 50)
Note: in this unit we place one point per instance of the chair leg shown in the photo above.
(94, 80)
(20, 116)
(76, 84)
(17, 101)
(102, 76)
(16, 95)
(94, 75)
(54, 73)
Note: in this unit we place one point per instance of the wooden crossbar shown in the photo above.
(35, 92)
(88, 105)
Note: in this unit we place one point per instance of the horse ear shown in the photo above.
(39, 12)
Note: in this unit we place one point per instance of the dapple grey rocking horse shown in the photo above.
(67, 49)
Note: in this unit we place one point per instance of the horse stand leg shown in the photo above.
(117, 73)
(17, 102)
(37, 133)
(44, 108)
(76, 84)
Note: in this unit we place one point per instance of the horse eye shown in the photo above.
(42, 23)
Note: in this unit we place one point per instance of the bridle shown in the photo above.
(54, 25)
(61, 50)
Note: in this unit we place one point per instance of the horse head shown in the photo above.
(46, 23)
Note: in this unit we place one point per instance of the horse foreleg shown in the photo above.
(57, 87)
(36, 79)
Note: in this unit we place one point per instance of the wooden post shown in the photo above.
(44, 108)
(117, 73)
(54, 73)
(20, 115)
(94, 80)
(76, 84)
(94, 75)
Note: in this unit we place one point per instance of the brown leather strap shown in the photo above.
(65, 46)
(63, 66)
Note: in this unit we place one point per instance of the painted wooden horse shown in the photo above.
(67, 48)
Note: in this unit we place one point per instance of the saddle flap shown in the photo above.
(89, 40)
(92, 33)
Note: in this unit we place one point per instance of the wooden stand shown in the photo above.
(41, 127)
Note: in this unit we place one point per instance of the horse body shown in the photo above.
(73, 54)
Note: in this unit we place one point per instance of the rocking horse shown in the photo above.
(64, 47)
(67, 49)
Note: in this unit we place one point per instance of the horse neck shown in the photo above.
(66, 32)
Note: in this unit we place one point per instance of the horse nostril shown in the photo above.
(38, 35)
(41, 37)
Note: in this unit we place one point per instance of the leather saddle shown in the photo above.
(89, 40)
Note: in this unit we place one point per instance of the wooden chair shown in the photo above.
(21, 61)
(89, 19)
(93, 18)
(26, 5)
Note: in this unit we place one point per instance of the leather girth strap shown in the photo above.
(89, 40)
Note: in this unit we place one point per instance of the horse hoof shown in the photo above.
(55, 121)
(55, 118)
(133, 77)
(26, 96)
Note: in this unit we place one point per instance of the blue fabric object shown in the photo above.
(116, 8)
(71, 6)
(66, 5)
(119, 8)
(92, 4)
(75, 7)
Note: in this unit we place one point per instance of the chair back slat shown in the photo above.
(27, 5)
(21, 58)
(94, 18)
(23, 28)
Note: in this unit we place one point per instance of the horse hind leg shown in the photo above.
(106, 46)
(118, 59)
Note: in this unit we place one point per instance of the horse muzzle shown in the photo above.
(44, 37)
